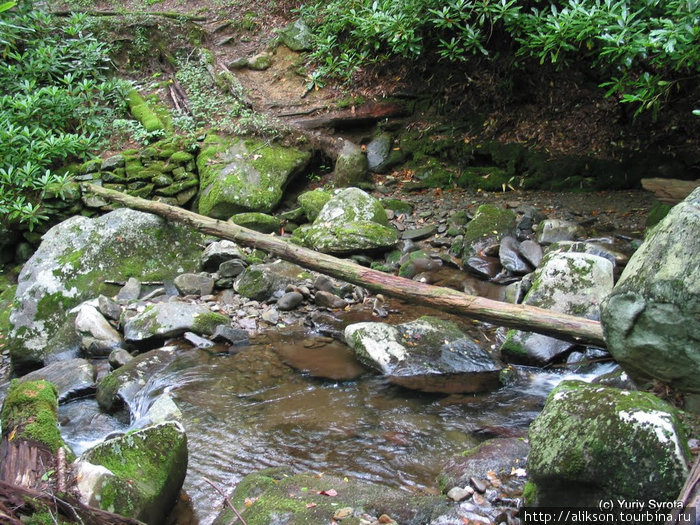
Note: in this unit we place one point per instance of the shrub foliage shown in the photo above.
(56, 104)
(642, 49)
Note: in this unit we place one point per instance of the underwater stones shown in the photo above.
(570, 283)
(144, 472)
(429, 354)
(351, 221)
(283, 496)
(239, 175)
(593, 442)
(71, 265)
(162, 320)
(651, 319)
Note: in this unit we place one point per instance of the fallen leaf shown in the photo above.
(495, 481)
(249, 501)
(311, 505)
(331, 493)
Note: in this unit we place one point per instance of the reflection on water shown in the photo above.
(253, 410)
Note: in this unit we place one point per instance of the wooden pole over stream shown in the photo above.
(562, 326)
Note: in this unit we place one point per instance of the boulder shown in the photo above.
(312, 202)
(555, 230)
(97, 337)
(73, 262)
(219, 252)
(570, 283)
(260, 281)
(592, 442)
(652, 317)
(239, 175)
(297, 36)
(380, 154)
(194, 283)
(160, 321)
(71, 377)
(351, 221)
(489, 225)
(260, 222)
(280, 495)
(121, 387)
(429, 354)
(142, 472)
(350, 166)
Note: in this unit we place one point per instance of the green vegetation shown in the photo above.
(56, 105)
(642, 50)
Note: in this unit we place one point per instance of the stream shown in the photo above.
(294, 397)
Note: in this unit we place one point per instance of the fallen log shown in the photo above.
(524, 317)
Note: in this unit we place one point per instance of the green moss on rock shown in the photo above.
(141, 112)
(313, 201)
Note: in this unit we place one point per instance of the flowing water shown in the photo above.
(267, 406)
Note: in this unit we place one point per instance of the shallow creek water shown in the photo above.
(266, 406)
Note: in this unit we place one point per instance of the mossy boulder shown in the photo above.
(30, 410)
(350, 166)
(144, 472)
(281, 496)
(351, 221)
(428, 354)
(652, 317)
(592, 442)
(312, 202)
(570, 283)
(240, 175)
(73, 262)
(297, 36)
(160, 321)
(260, 222)
(260, 281)
(142, 112)
(489, 225)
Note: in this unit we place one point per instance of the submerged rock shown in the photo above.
(570, 283)
(142, 472)
(429, 354)
(239, 175)
(652, 317)
(281, 496)
(73, 262)
(592, 442)
(351, 221)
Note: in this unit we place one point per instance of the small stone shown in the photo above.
(531, 252)
(419, 233)
(343, 513)
(231, 335)
(194, 283)
(118, 358)
(198, 341)
(459, 493)
(328, 300)
(130, 291)
(271, 316)
(232, 268)
(478, 484)
(289, 301)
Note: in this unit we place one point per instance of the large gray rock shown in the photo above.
(73, 262)
(592, 442)
(239, 175)
(71, 377)
(429, 354)
(351, 221)
(141, 472)
(260, 281)
(570, 283)
(652, 317)
(162, 320)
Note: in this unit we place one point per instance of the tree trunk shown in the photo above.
(530, 318)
